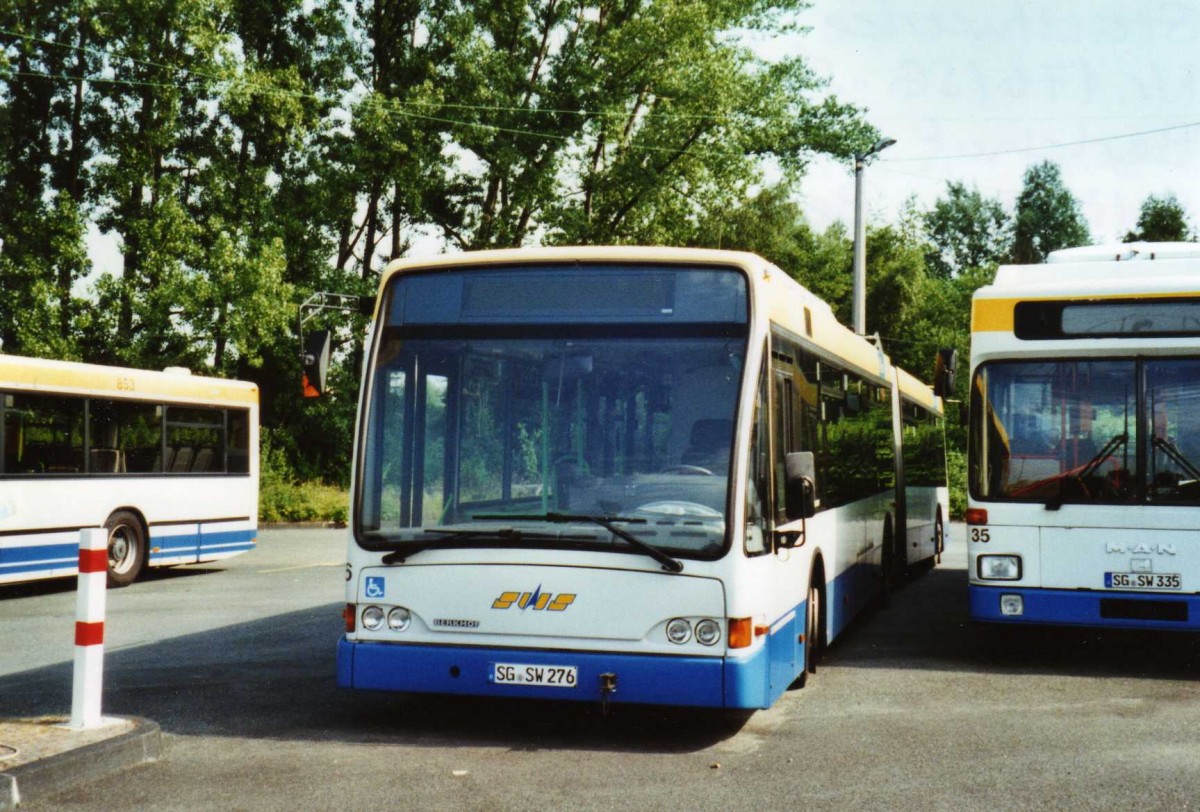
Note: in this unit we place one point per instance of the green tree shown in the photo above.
(965, 230)
(44, 152)
(771, 225)
(624, 122)
(1162, 219)
(1047, 216)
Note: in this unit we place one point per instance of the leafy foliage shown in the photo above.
(1161, 219)
(1047, 216)
(965, 230)
(245, 153)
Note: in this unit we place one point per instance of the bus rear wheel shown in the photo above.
(812, 629)
(126, 548)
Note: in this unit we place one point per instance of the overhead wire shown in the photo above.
(413, 109)
(397, 102)
(1017, 150)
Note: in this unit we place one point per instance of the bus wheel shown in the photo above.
(126, 548)
(812, 629)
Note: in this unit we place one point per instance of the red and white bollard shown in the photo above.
(88, 688)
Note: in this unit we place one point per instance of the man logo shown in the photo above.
(1141, 548)
(536, 600)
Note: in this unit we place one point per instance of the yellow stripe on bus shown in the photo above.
(996, 315)
(992, 315)
(66, 377)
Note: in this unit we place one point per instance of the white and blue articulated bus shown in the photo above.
(167, 462)
(1084, 449)
(629, 475)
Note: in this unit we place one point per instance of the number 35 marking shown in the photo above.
(980, 535)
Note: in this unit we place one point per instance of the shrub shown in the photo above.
(302, 502)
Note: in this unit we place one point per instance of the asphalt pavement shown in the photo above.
(913, 707)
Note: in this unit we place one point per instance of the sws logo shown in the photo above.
(536, 600)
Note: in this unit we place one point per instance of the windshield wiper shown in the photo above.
(1055, 502)
(609, 523)
(447, 535)
(1167, 447)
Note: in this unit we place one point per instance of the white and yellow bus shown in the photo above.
(1084, 450)
(166, 461)
(640, 475)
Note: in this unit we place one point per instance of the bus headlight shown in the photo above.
(398, 619)
(999, 567)
(708, 632)
(372, 618)
(679, 631)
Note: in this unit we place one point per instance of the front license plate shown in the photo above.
(1143, 580)
(553, 676)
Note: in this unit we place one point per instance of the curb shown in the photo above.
(301, 525)
(49, 776)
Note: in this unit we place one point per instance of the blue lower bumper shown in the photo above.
(640, 679)
(1069, 607)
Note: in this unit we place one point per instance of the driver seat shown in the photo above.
(708, 443)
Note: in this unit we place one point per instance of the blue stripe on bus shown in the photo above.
(847, 595)
(747, 682)
(1073, 607)
(755, 681)
(641, 679)
(12, 556)
(40, 566)
(42, 558)
(226, 537)
(228, 541)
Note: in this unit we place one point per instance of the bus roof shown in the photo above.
(1097, 272)
(1082, 273)
(1126, 252)
(917, 392)
(176, 385)
(582, 253)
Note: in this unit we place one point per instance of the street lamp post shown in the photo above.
(860, 236)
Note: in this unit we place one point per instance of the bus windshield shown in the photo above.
(608, 415)
(1105, 431)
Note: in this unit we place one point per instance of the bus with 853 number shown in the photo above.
(166, 461)
(1084, 443)
(628, 475)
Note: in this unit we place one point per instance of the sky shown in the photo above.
(954, 77)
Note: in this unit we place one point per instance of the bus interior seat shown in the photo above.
(708, 443)
(181, 463)
(203, 460)
(106, 461)
(158, 465)
(699, 399)
(56, 458)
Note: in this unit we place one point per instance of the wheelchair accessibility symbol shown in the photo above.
(375, 587)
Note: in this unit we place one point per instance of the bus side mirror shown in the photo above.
(800, 489)
(315, 363)
(944, 368)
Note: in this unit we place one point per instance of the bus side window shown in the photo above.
(237, 442)
(45, 435)
(758, 480)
